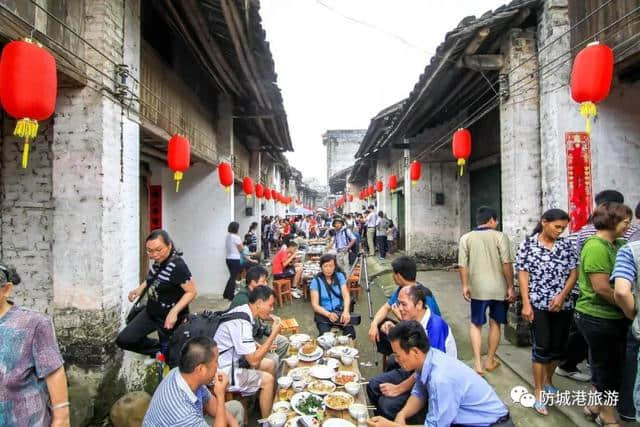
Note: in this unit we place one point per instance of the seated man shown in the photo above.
(389, 391)
(184, 395)
(283, 267)
(257, 276)
(404, 274)
(453, 392)
(240, 357)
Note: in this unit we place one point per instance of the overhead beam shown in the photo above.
(481, 62)
(474, 44)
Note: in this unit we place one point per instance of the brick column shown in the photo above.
(520, 153)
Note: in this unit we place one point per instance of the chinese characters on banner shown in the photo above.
(578, 146)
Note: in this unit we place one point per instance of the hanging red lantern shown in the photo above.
(591, 78)
(379, 186)
(225, 173)
(28, 88)
(393, 182)
(371, 190)
(178, 157)
(415, 171)
(259, 191)
(350, 198)
(267, 193)
(462, 147)
(247, 186)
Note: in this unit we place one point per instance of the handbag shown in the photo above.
(137, 307)
(330, 292)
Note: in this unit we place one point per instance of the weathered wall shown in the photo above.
(26, 215)
(341, 148)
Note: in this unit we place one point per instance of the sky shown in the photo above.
(335, 73)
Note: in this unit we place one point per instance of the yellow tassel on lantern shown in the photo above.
(227, 189)
(588, 110)
(413, 183)
(177, 176)
(461, 163)
(27, 129)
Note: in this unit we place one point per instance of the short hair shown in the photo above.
(608, 215)
(260, 293)
(405, 266)
(254, 273)
(247, 239)
(638, 211)
(8, 274)
(371, 207)
(411, 334)
(484, 214)
(292, 244)
(609, 196)
(415, 293)
(233, 227)
(196, 351)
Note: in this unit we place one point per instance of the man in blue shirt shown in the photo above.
(404, 274)
(185, 395)
(342, 241)
(455, 394)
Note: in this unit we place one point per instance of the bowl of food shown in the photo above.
(343, 339)
(306, 403)
(338, 400)
(292, 361)
(285, 382)
(343, 377)
(277, 419)
(352, 387)
(357, 410)
(321, 387)
(282, 406)
(298, 386)
(327, 340)
(309, 348)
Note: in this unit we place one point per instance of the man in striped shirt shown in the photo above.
(184, 396)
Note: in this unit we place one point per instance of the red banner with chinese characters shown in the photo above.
(578, 146)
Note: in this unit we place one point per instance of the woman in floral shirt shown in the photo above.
(546, 265)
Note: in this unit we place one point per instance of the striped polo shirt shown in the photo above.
(175, 404)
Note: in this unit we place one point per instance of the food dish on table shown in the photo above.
(282, 406)
(300, 337)
(321, 387)
(343, 350)
(322, 372)
(305, 403)
(310, 421)
(309, 348)
(343, 377)
(317, 354)
(338, 400)
(303, 373)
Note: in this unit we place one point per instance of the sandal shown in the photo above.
(587, 412)
(540, 408)
(602, 423)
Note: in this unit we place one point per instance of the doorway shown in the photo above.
(486, 190)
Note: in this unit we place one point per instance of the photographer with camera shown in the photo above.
(241, 358)
(330, 298)
(257, 276)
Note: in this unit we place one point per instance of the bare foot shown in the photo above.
(491, 364)
(478, 368)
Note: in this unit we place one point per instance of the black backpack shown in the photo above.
(197, 325)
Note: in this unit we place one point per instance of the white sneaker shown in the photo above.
(576, 375)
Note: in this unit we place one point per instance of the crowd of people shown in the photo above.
(578, 291)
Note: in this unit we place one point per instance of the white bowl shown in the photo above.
(282, 406)
(357, 409)
(285, 382)
(292, 361)
(343, 339)
(352, 388)
(277, 419)
(346, 360)
(298, 386)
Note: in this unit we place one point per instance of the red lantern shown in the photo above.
(462, 147)
(28, 88)
(225, 173)
(247, 186)
(591, 78)
(393, 182)
(371, 191)
(379, 186)
(259, 191)
(415, 171)
(350, 198)
(178, 157)
(267, 193)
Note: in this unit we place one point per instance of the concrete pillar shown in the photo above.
(519, 137)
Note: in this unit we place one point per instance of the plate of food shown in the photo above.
(301, 374)
(322, 372)
(343, 350)
(330, 361)
(321, 387)
(343, 377)
(310, 352)
(308, 421)
(305, 403)
(338, 400)
(300, 338)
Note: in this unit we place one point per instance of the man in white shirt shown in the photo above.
(371, 223)
(242, 358)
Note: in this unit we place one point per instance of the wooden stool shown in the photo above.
(282, 289)
(304, 284)
(354, 286)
